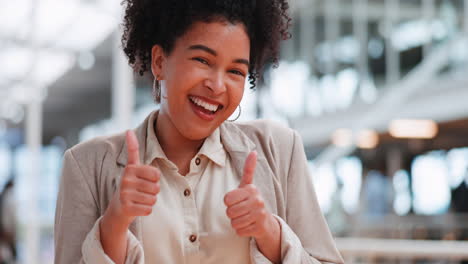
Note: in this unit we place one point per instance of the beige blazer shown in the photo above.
(91, 174)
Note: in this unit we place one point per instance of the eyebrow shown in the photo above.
(214, 53)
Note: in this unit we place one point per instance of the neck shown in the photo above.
(176, 146)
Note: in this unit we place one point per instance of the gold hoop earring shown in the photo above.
(156, 90)
(240, 111)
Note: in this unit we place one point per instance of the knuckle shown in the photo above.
(126, 180)
(123, 194)
(125, 205)
(227, 199)
(229, 212)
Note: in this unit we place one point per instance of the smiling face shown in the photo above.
(203, 77)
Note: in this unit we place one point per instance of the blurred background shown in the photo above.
(376, 88)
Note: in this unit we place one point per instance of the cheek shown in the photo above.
(238, 92)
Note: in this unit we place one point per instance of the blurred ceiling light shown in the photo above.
(50, 66)
(44, 40)
(13, 112)
(347, 49)
(53, 19)
(367, 90)
(91, 28)
(347, 82)
(418, 32)
(295, 76)
(12, 15)
(375, 48)
(407, 128)
(342, 137)
(367, 139)
(18, 59)
(86, 60)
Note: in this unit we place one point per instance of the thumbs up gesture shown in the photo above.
(139, 186)
(246, 207)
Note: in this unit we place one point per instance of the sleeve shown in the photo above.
(76, 229)
(305, 236)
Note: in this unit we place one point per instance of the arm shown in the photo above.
(113, 237)
(304, 234)
(307, 238)
(76, 230)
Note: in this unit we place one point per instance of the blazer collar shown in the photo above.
(140, 133)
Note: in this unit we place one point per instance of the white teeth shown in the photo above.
(207, 106)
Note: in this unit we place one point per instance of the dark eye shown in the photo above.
(201, 60)
(237, 72)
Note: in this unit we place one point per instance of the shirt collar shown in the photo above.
(235, 142)
(212, 147)
(153, 148)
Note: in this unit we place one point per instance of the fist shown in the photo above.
(139, 186)
(246, 207)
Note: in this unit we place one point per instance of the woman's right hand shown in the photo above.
(136, 196)
(139, 186)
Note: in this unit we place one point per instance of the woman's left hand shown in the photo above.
(246, 207)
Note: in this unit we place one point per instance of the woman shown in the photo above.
(186, 186)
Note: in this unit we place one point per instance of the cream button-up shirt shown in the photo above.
(189, 222)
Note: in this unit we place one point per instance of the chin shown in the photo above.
(197, 132)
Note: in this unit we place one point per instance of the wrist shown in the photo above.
(113, 222)
(273, 231)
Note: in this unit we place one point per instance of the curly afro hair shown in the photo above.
(161, 22)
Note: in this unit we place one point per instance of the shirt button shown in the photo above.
(197, 161)
(193, 238)
(187, 192)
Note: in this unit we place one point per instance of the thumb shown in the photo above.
(132, 148)
(249, 169)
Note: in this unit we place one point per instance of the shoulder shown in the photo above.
(274, 142)
(92, 152)
(269, 132)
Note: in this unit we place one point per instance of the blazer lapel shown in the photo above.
(238, 146)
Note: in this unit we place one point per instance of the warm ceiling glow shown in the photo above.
(342, 137)
(424, 129)
(367, 139)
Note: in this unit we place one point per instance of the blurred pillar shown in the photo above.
(360, 30)
(394, 161)
(392, 57)
(33, 128)
(307, 43)
(465, 17)
(34, 142)
(428, 10)
(123, 87)
(332, 32)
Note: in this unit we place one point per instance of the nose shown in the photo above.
(216, 83)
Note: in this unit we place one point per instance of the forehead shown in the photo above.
(223, 37)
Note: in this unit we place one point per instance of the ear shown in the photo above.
(157, 61)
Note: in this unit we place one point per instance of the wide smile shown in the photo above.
(203, 109)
